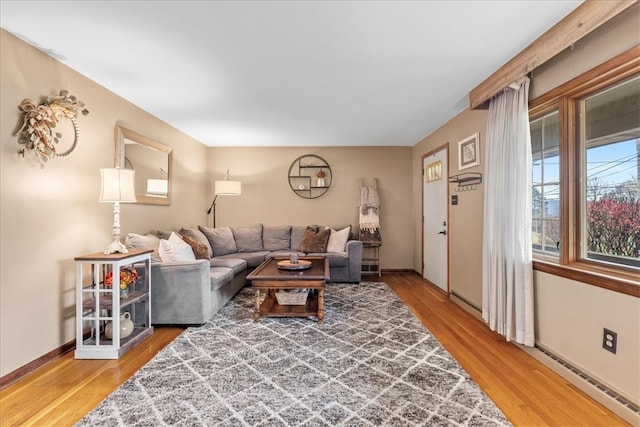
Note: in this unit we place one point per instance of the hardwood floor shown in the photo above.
(528, 393)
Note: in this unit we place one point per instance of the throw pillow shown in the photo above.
(297, 234)
(315, 241)
(175, 249)
(248, 239)
(220, 239)
(200, 250)
(148, 241)
(163, 234)
(276, 238)
(338, 240)
(199, 237)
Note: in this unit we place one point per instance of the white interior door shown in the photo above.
(435, 241)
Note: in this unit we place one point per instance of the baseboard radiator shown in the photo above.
(626, 403)
(594, 382)
(466, 301)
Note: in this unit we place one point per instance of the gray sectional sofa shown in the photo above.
(190, 290)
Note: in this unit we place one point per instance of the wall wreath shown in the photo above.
(37, 132)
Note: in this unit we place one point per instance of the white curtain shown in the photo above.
(507, 276)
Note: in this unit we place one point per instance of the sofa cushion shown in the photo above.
(200, 250)
(248, 239)
(276, 238)
(221, 240)
(315, 241)
(148, 241)
(236, 264)
(220, 276)
(253, 259)
(297, 234)
(175, 249)
(199, 236)
(338, 240)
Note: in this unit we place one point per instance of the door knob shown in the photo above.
(443, 232)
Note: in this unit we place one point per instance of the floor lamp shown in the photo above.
(117, 187)
(224, 188)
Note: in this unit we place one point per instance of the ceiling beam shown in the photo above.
(581, 21)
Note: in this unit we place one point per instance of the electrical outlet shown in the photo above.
(610, 340)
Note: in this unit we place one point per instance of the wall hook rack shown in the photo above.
(466, 181)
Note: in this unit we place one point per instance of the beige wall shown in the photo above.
(267, 198)
(570, 316)
(465, 219)
(51, 215)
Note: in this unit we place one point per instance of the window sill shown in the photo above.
(626, 283)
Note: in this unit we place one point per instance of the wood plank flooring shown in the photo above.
(530, 394)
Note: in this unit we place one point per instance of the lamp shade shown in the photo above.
(117, 185)
(157, 187)
(228, 188)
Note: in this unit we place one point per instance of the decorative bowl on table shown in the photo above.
(286, 264)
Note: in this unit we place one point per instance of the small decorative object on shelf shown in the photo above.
(126, 326)
(321, 174)
(37, 131)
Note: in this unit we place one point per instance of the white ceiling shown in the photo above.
(288, 73)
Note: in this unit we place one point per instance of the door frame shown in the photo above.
(444, 146)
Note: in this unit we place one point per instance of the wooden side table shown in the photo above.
(371, 258)
(97, 304)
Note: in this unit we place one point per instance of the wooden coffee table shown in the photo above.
(268, 278)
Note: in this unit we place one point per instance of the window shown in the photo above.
(585, 146)
(545, 140)
(609, 123)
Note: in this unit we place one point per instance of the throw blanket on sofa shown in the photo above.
(369, 215)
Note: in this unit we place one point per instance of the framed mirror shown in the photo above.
(152, 162)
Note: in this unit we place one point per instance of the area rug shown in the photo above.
(371, 363)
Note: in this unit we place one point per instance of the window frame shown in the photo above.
(544, 183)
(564, 98)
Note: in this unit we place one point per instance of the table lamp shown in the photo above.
(117, 187)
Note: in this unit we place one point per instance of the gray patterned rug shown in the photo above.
(371, 363)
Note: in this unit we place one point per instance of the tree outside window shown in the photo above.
(610, 141)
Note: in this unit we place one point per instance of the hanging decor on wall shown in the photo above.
(37, 133)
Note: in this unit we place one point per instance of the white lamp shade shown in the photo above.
(157, 187)
(117, 185)
(228, 188)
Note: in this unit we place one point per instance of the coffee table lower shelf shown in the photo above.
(314, 306)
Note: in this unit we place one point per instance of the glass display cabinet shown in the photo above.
(113, 303)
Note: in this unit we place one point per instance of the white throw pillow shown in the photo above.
(175, 249)
(338, 240)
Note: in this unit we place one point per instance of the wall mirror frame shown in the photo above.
(150, 159)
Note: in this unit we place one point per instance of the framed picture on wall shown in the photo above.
(469, 152)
